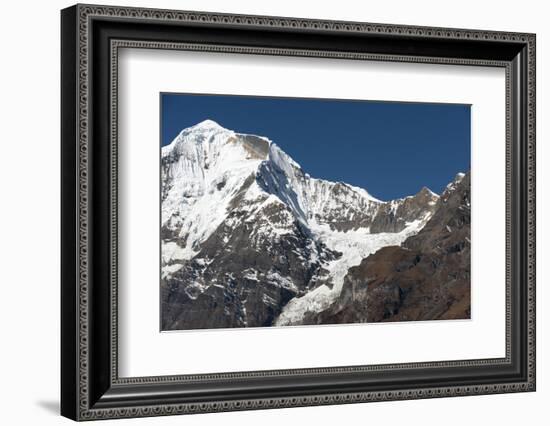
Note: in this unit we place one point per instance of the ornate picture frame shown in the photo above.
(91, 37)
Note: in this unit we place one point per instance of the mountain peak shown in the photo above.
(204, 127)
(206, 130)
(459, 176)
(427, 191)
(208, 124)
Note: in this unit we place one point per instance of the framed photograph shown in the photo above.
(263, 212)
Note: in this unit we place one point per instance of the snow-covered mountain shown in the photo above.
(426, 278)
(250, 239)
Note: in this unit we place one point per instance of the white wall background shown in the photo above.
(29, 216)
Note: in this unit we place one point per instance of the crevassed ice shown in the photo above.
(355, 246)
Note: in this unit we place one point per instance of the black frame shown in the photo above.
(90, 386)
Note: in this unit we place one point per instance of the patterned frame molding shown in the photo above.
(91, 388)
(116, 45)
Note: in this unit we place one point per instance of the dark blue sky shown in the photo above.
(391, 149)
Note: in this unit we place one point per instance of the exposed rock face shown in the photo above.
(426, 278)
(249, 239)
(395, 215)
